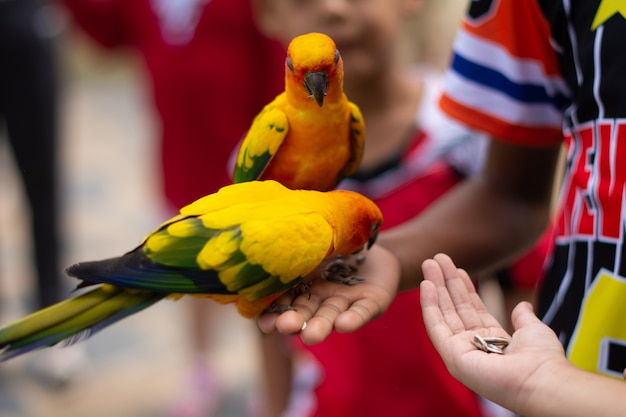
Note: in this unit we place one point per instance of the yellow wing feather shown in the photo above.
(219, 250)
(228, 197)
(266, 134)
(297, 244)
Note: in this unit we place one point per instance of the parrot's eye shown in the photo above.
(289, 64)
(337, 56)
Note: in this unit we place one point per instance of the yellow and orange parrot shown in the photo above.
(310, 136)
(246, 244)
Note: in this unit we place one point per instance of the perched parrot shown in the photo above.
(310, 136)
(246, 244)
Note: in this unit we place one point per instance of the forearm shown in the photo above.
(476, 226)
(277, 372)
(564, 390)
(533, 377)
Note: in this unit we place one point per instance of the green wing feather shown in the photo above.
(247, 257)
(260, 144)
(72, 320)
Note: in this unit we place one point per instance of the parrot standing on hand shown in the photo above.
(246, 244)
(310, 136)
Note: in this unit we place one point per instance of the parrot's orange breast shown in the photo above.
(315, 151)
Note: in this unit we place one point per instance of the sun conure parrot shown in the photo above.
(246, 244)
(310, 136)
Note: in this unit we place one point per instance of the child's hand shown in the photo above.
(341, 307)
(453, 313)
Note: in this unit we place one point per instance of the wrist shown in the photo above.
(544, 392)
(405, 258)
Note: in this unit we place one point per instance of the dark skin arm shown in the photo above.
(483, 223)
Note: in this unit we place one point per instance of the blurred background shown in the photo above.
(110, 198)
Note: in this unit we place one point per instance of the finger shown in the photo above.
(290, 322)
(322, 323)
(303, 307)
(434, 271)
(532, 333)
(523, 315)
(436, 326)
(360, 313)
(487, 320)
(267, 323)
(287, 323)
(461, 294)
(343, 312)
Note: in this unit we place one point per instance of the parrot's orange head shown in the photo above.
(314, 67)
(357, 221)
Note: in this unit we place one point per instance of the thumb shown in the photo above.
(523, 315)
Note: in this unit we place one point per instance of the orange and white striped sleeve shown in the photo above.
(504, 77)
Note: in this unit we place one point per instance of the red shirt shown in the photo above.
(210, 69)
(390, 367)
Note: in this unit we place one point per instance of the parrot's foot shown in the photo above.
(278, 308)
(300, 289)
(360, 259)
(342, 272)
(294, 292)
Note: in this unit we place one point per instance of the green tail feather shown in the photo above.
(72, 320)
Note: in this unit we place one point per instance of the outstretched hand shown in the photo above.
(333, 306)
(453, 313)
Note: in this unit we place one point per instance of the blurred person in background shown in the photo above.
(413, 155)
(29, 120)
(210, 72)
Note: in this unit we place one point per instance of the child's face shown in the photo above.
(365, 31)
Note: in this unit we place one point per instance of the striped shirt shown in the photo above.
(538, 72)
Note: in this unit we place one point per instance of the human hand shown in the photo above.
(344, 308)
(453, 313)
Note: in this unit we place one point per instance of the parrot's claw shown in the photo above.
(278, 308)
(342, 272)
(300, 289)
(351, 280)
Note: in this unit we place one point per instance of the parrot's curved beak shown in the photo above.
(316, 84)
(373, 235)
